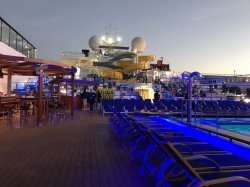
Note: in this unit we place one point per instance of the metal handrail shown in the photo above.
(231, 138)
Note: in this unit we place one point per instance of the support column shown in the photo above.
(66, 95)
(58, 92)
(9, 78)
(72, 93)
(52, 100)
(40, 98)
(189, 90)
(189, 101)
(52, 89)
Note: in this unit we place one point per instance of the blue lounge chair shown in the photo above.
(129, 105)
(107, 106)
(189, 162)
(197, 178)
(158, 104)
(139, 104)
(169, 105)
(118, 105)
(148, 104)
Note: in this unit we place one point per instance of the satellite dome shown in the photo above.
(94, 42)
(138, 44)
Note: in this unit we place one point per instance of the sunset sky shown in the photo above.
(209, 36)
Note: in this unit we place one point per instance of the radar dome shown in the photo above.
(94, 42)
(138, 44)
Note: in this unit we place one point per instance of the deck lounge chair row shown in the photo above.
(172, 159)
(203, 107)
(126, 105)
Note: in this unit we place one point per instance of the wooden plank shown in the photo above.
(72, 152)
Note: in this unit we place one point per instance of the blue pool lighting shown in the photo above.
(219, 142)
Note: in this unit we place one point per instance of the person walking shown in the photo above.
(91, 100)
(84, 99)
(99, 98)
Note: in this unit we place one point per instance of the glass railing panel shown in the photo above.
(5, 33)
(19, 43)
(25, 45)
(30, 51)
(13, 39)
(25, 53)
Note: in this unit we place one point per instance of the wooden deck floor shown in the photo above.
(75, 152)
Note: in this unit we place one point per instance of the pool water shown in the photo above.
(239, 125)
(243, 129)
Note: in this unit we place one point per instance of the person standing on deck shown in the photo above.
(84, 99)
(99, 97)
(91, 100)
(157, 95)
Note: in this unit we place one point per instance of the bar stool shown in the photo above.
(52, 112)
(24, 111)
(9, 109)
(61, 110)
(3, 113)
(33, 107)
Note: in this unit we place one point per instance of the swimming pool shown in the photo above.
(243, 129)
(239, 125)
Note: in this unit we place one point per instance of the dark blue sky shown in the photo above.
(210, 36)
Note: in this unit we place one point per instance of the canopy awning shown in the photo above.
(27, 66)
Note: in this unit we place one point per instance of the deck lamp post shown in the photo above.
(9, 78)
(39, 72)
(73, 71)
(189, 77)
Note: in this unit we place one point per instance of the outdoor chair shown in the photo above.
(148, 104)
(168, 105)
(24, 114)
(52, 112)
(3, 113)
(179, 160)
(198, 178)
(129, 105)
(118, 105)
(9, 109)
(61, 109)
(158, 104)
(107, 106)
(139, 104)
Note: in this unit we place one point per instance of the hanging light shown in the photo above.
(103, 38)
(110, 41)
(118, 39)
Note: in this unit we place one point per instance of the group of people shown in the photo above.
(90, 98)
